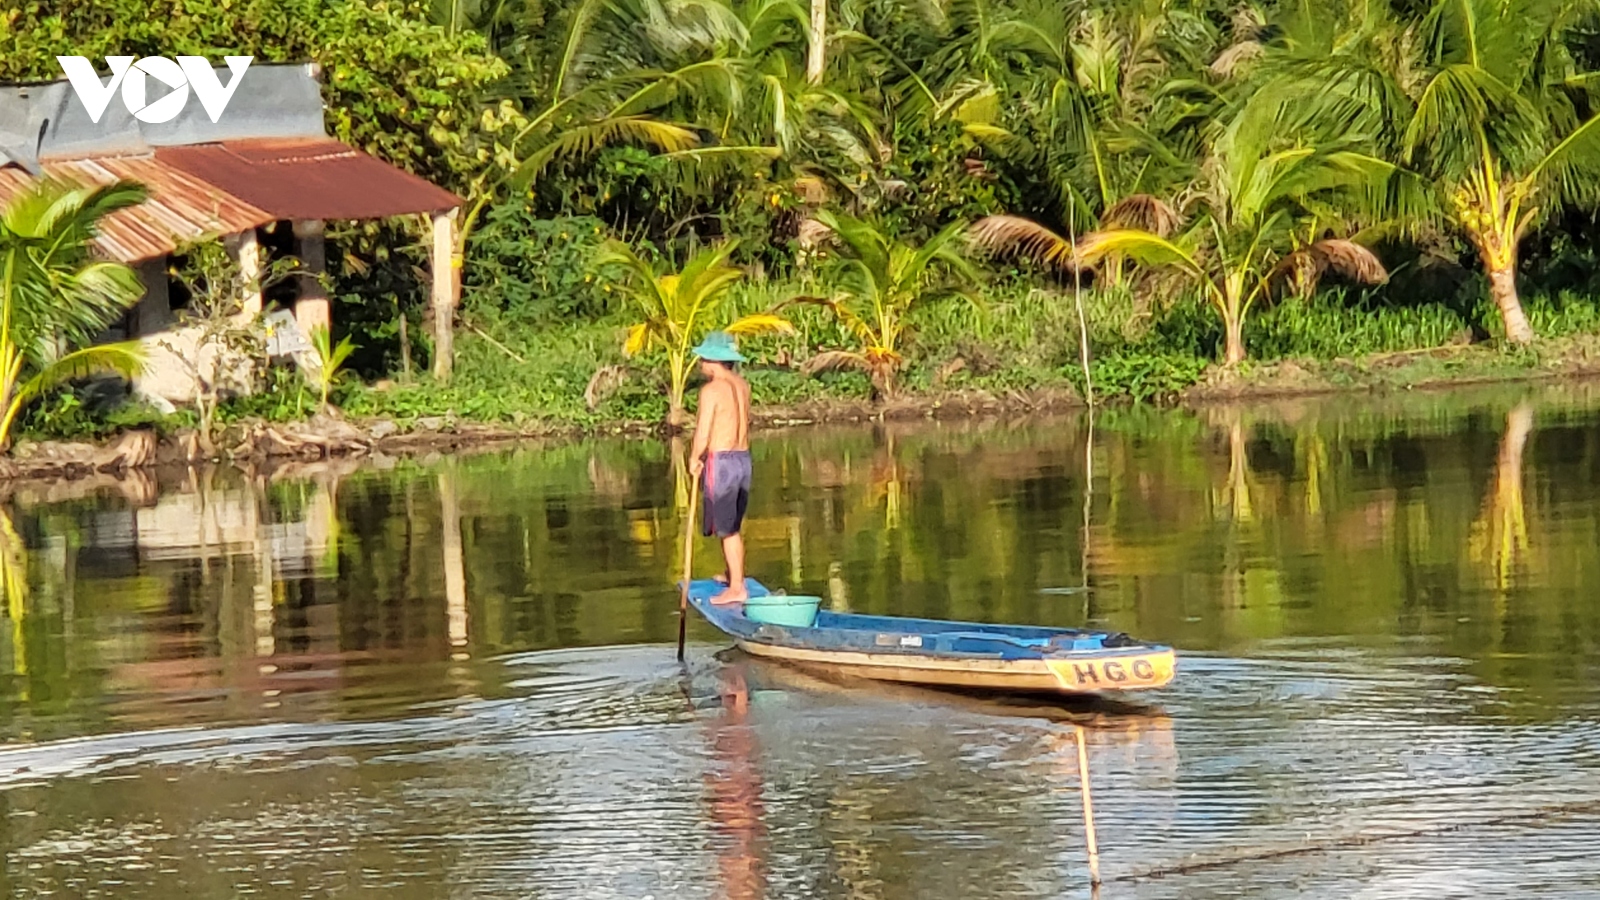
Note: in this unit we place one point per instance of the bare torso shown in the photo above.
(726, 401)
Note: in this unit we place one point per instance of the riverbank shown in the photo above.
(327, 436)
(332, 437)
(1573, 357)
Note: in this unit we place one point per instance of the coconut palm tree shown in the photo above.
(54, 296)
(1266, 176)
(640, 73)
(1504, 126)
(1091, 109)
(1485, 100)
(878, 281)
(679, 308)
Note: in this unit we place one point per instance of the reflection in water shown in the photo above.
(308, 680)
(1500, 533)
(14, 584)
(735, 792)
(455, 573)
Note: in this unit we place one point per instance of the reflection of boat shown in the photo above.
(947, 654)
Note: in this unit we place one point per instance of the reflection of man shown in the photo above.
(736, 795)
(722, 453)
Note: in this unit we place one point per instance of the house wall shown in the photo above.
(176, 355)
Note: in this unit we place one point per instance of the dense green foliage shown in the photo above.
(54, 298)
(1222, 180)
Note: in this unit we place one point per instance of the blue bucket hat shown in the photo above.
(718, 346)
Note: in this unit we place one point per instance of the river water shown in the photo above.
(455, 678)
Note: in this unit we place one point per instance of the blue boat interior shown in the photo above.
(896, 634)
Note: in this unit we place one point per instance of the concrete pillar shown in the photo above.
(246, 251)
(311, 309)
(446, 291)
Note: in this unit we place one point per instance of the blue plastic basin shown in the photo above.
(788, 611)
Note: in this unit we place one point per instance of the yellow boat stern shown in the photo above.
(1134, 671)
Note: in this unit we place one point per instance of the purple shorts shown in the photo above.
(726, 483)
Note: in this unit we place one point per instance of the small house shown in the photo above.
(265, 165)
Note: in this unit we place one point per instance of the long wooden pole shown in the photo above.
(1077, 297)
(688, 562)
(1088, 810)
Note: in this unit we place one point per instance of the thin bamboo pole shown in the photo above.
(1088, 810)
(688, 562)
(1077, 296)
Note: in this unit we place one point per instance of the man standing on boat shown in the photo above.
(721, 453)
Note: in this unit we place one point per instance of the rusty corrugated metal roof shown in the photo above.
(309, 178)
(181, 209)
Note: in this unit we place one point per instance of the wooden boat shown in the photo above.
(935, 652)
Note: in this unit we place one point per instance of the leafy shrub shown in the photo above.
(1141, 377)
(1561, 314)
(529, 269)
(1326, 328)
(85, 413)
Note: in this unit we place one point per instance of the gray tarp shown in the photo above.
(40, 121)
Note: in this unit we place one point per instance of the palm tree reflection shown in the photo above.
(14, 585)
(1499, 535)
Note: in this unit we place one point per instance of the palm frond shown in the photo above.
(759, 323)
(637, 339)
(1345, 257)
(576, 31)
(869, 245)
(62, 214)
(944, 248)
(1145, 212)
(126, 359)
(830, 360)
(1231, 61)
(847, 317)
(1574, 164)
(1462, 109)
(584, 140)
(1349, 259)
(1014, 234)
(55, 290)
(1141, 246)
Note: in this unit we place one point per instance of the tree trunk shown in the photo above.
(1503, 290)
(677, 412)
(1232, 309)
(816, 58)
(882, 377)
(1233, 349)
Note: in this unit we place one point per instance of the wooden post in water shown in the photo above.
(1088, 810)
